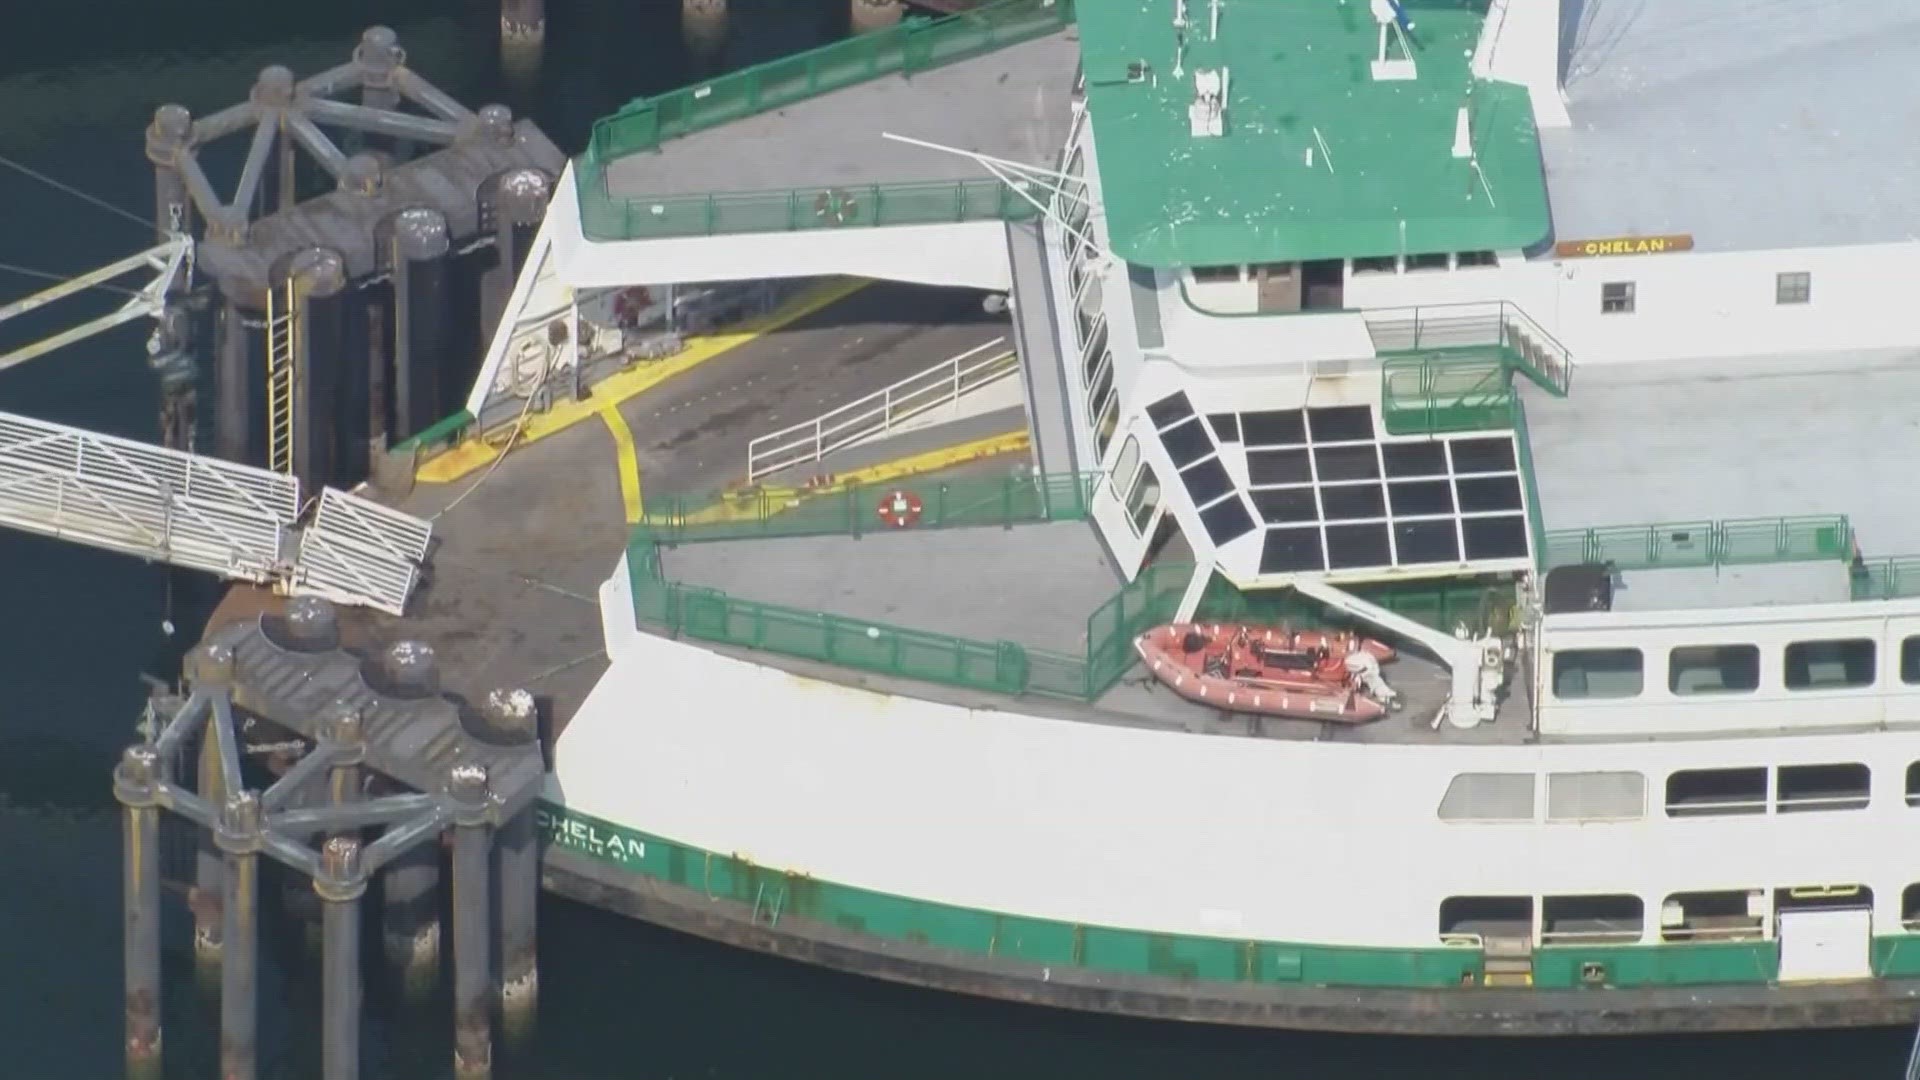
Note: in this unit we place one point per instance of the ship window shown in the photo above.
(1428, 262)
(1830, 665)
(1093, 353)
(1713, 669)
(1800, 788)
(1596, 796)
(1486, 916)
(1713, 916)
(1486, 796)
(1793, 287)
(1913, 784)
(1616, 298)
(1477, 258)
(1597, 673)
(1207, 275)
(1144, 499)
(1123, 467)
(1910, 660)
(1593, 920)
(1376, 264)
(1910, 907)
(1701, 792)
(1109, 420)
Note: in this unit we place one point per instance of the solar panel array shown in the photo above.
(1334, 493)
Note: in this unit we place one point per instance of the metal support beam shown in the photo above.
(340, 885)
(256, 165)
(428, 96)
(240, 837)
(472, 959)
(381, 122)
(133, 785)
(315, 142)
(282, 791)
(209, 878)
(387, 810)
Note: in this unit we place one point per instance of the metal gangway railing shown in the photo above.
(237, 521)
(883, 411)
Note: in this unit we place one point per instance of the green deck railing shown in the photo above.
(1429, 395)
(1474, 326)
(1704, 543)
(854, 509)
(605, 217)
(1893, 578)
(916, 44)
(1007, 667)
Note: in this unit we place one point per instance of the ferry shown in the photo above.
(1562, 349)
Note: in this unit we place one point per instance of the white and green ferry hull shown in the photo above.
(1175, 875)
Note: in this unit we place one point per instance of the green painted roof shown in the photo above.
(1295, 66)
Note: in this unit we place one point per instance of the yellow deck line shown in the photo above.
(629, 461)
(751, 502)
(478, 453)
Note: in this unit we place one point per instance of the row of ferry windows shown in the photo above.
(1722, 915)
(1622, 795)
(1693, 670)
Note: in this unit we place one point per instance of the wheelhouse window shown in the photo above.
(1616, 298)
(1910, 660)
(1713, 669)
(1711, 792)
(1376, 264)
(1913, 784)
(1107, 422)
(1800, 788)
(1592, 920)
(1431, 261)
(1121, 477)
(1582, 674)
(1486, 916)
(1793, 287)
(1216, 275)
(1144, 499)
(1596, 796)
(1488, 797)
(1714, 916)
(1470, 259)
(1830, 665)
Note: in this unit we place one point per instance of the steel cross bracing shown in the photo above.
(236, 521)
(170, 262)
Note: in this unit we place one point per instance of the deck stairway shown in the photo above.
(1492, 328)
(1509, 960)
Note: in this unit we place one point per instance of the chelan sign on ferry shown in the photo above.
(1623, 245)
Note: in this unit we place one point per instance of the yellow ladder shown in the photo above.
(282, 345)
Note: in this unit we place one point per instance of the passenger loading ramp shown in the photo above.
(236, 521)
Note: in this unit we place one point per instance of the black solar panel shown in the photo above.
(1169, 410)
(1206, 481)
(1187, 442)
(1343, 423)
(1288, 428)
(1292, 551)
(1226, 427)
(1226, 520)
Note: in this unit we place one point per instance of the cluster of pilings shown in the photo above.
(320, 820)
(361, 289)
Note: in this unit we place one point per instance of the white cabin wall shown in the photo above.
(1688, 304)
(1333, 843)
(1520, 43)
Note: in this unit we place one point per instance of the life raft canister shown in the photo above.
(900, 509)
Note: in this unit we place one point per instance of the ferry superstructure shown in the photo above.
(1566, 353)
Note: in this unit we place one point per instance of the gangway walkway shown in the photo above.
(200, 513)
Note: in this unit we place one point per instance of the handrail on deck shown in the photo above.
(915, 44)
(1469, 324)
(652, 217)
(878, 413)
(1704, 543)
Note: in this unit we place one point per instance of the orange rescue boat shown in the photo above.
(1272, 671)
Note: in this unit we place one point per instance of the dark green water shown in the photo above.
(78, 81)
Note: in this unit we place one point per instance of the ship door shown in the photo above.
(1826, 933)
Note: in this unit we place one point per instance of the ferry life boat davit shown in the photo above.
(1272, 671)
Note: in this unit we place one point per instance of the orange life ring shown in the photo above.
(900, 509)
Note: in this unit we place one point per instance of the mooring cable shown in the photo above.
(75, 192)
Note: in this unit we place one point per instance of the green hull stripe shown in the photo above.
(775, 895)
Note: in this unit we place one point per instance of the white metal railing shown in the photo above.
(1473, 323)
(359, 552)
(880, 412)
(143, 500)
